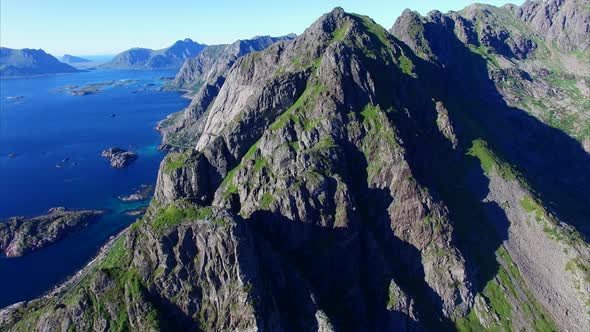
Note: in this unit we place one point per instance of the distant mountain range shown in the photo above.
(217, 59)
(71, 59)
(144, 58)
(29, 62)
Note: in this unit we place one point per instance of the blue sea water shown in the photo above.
(45, 127)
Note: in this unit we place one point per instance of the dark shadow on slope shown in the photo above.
(349, 269)
(438, 167)
(335, 263)
(555, 165)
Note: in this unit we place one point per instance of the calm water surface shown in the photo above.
(45, 127)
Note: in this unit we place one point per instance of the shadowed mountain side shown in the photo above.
(551, 162)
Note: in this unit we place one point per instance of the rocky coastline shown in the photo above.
(22, 235)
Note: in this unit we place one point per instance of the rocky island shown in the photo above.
(144, 192)
(118, 157)
(73, 60)
(21, 235)
(93, 88)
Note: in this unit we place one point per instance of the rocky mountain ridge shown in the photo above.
(356, 179)
(144, 58)
(205, 75)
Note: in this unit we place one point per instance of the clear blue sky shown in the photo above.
(83, 27)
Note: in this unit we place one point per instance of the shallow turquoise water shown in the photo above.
(45, 127)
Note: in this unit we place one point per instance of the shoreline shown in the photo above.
(70, 281)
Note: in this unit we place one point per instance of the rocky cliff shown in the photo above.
(356, 179)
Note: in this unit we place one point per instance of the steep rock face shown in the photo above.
(296, 116)
(531, 67)
(205, 74)
(29, 62)
(564, 23)
(160, 277)
(182, 267)
(503, 58)
(215, 60)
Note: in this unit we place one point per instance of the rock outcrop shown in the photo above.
(563, 23)
(144, 192)
(20, 235)
(118, 157)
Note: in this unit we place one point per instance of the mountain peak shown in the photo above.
(143, 58)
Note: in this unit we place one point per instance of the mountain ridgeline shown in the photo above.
(29, 62)
(429, 178)
(204, 75)
(144, 58)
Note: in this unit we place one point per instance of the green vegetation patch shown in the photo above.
(259, 164)
(370, 112)
(491, 162)
(469, 323)
(531, 206)
(485, 53)
(230, 176)
(580, 265)
(406, 65)
(374, 29)
(508, 288)
(116, 255)
(296, 112)
(338, 34)
(295, 145)
(378, 125)
(322, 145)
(175, 161)
(251, 151)
(174, 215)
(266, 201)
